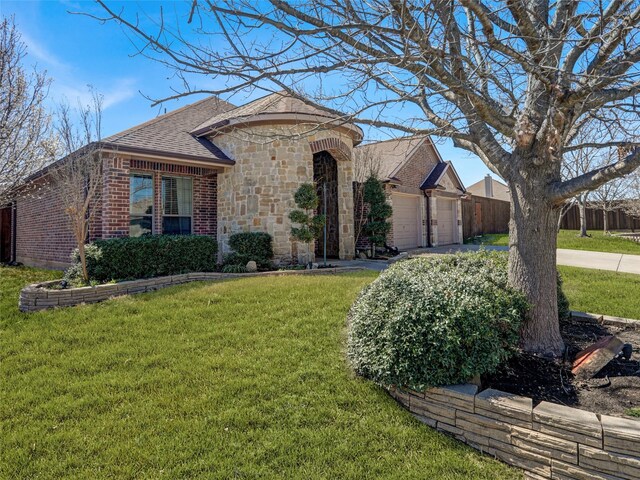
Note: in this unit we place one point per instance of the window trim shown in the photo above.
(150, 175)
(161, 209)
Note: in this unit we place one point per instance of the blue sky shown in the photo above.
(78, 51)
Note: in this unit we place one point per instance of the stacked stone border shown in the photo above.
(40, 296)
(549, 441)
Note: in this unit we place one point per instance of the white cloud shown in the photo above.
(121, 89)
(40, 52)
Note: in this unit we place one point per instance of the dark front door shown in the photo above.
(5, 235)
(325, 172)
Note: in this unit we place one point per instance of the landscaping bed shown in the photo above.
(614, 390)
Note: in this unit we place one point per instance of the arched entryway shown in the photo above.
(325, 172)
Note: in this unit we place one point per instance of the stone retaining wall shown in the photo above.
(39, 297)
(549, 441)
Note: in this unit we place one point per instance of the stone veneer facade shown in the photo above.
(272, 161)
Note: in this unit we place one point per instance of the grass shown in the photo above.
(235, 379)
(633, 412)
(597, 242)
(601, 291)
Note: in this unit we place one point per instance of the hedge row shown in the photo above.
(149, 256)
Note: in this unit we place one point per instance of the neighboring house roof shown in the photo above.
(276, 106)
(392, 154)
(436, 175)
(489, 187)
(169, 134)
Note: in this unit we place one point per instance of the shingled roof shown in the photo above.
(391, 154)
(169, 134)
(433, 179)
(276, 104)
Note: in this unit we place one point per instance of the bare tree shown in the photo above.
(77, 178)
(611, 195)
(25, 141)
(513, 82)
(580, 161)
(631, 205)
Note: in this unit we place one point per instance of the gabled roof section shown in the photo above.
(169, 134)
(393, 154)
(275, 107)
(437, 174)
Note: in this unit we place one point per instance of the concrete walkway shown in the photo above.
(615, 262)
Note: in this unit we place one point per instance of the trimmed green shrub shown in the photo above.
(563, 302)
(435, 321)
(256, 246)
(149, 256)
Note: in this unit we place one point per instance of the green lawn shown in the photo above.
(601, 291)
(236, 379)
(598, 242)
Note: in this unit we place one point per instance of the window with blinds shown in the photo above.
(177, 205)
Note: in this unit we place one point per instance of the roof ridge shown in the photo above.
(397, 139)
(129, 130)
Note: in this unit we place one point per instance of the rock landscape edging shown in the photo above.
(38, 297)
(549, 441)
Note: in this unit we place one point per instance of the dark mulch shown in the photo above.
(614, 390)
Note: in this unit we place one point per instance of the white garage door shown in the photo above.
(406, 221)
(446, 220)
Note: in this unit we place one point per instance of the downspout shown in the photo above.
(428, 218)
(14, 223)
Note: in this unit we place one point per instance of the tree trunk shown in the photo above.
(605, 220)
(83, 262)
(583, 216)
(532, 266)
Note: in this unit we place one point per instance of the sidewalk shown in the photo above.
(615, 262)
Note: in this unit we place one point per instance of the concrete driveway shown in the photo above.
(615, 262)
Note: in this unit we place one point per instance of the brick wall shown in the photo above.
(548, 441)
(43, 231)
(415, 171)
(115, 198)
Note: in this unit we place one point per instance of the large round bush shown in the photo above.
(435, 321)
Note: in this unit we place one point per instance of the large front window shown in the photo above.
(140, 205)
(177, 205)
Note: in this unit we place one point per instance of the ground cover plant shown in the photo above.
(597, 242)
(236, 379)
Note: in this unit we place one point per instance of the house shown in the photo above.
(489, 187)
(212, 168)
(424, 191)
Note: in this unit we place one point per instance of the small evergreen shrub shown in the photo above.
(247, 246)
(234, 268)
(311, 225)
(148, 256)
(435, 321)
(563, 302)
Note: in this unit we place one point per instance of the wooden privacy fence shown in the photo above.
(481, 215)
(617, 220)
